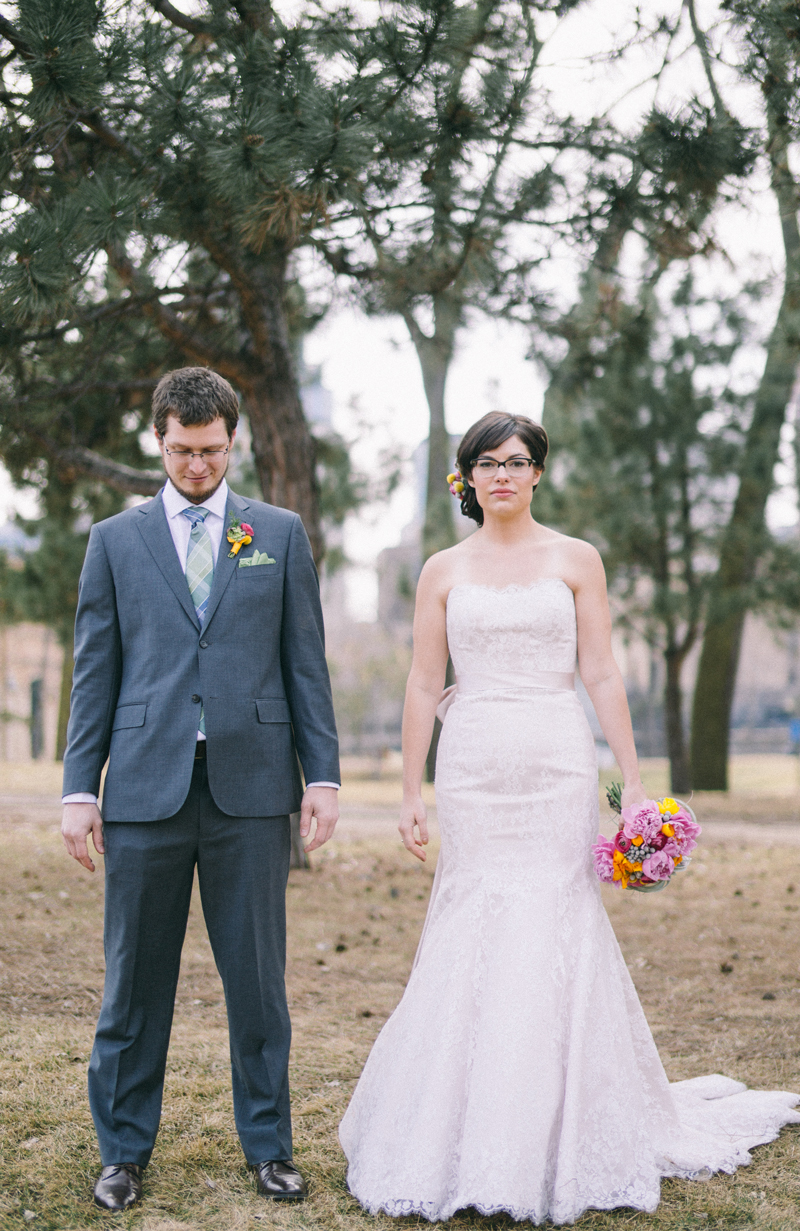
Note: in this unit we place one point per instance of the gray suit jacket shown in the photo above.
(142, 666)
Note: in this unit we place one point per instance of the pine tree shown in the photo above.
(164, 169)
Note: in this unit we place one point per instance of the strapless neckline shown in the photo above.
(513, 585)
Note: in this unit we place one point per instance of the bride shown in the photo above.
(518, 1072)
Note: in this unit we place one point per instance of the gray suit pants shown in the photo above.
(242, 865)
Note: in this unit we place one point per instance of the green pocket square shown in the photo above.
(258, 557)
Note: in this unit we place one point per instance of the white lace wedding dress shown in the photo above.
(518, 1072)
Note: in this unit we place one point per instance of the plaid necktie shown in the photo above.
(199, 561)
(199, 571)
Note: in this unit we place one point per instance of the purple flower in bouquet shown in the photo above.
(658, 867)
(642, 820)
(603, 852)
(673, 848)
(622, 842)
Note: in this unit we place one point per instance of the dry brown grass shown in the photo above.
(354, 923)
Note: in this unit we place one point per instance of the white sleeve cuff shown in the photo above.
(335, 785)
(79, 797)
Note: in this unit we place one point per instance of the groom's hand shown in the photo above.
(77, 822)
(321, 803)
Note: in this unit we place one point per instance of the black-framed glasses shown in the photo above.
(513, 465)
(205, 455)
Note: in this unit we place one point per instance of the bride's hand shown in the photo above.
(413, 814)
(633, 793)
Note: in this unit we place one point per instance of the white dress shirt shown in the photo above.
(181, 528)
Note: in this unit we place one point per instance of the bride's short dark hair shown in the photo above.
(489, 433)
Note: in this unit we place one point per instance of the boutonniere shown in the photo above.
(239, 535)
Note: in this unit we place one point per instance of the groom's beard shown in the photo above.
(192, 494)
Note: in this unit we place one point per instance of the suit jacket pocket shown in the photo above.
(273, 709)
(259, 570)
(129, 716)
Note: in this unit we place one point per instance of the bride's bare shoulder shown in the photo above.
(439, 571)
(575, 559)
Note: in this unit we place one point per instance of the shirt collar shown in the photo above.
(175, 503)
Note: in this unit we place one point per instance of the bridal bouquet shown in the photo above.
(654, 840)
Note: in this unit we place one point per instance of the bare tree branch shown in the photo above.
(110, 137)
(701, 41)
(169, 322)
(114, 474)
(55, 390)
(177, 18)
(13, 36)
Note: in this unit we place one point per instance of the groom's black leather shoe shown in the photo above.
(281, 1181)
(118, 1186)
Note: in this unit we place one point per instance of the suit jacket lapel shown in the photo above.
(226, 565)
(155, 531)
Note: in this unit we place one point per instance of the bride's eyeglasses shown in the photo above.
(513, 465)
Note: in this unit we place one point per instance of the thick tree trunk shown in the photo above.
(283, 447)
(716, 676)
(680, 781)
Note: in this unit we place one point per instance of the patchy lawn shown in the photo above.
(715, 957)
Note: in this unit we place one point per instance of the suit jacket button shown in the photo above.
(203, 645)
(196, 698)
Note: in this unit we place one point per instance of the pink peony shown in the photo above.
(658, 867)
(687, 831)
(603, 852)
(642, 819)
(672, 848)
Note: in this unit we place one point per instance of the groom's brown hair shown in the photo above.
(489, 433)
(196, 397)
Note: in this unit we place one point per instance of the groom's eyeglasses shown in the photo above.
(205, 455)
(513, 465)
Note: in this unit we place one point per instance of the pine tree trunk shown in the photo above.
(283, 447)
(680, 782)
(435, 355)
(713, 699)
(743, 539)
(67, 638)
(438, 530)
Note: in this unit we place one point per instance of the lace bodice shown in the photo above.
(518, 628)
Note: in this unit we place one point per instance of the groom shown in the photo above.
(200, 678)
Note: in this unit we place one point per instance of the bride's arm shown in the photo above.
(600, 674)
(423, 691)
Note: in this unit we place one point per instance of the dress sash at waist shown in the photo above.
(504, 681)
